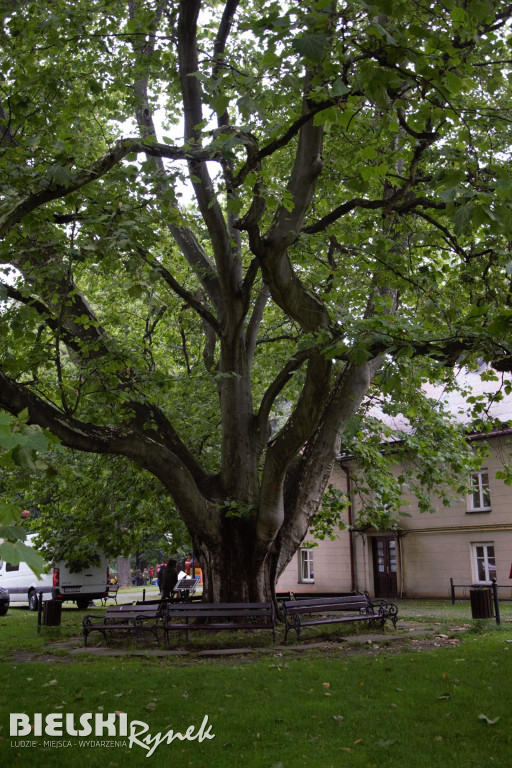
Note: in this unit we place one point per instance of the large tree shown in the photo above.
(229, 220)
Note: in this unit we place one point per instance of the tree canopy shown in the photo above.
(226, 225)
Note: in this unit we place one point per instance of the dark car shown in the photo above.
(4, 601)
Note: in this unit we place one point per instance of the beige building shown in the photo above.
(469, 542)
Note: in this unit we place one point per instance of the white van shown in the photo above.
(58, 583)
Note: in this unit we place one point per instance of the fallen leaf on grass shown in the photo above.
(358, 741)
(338, 718)
(326, 685)
(487, 720)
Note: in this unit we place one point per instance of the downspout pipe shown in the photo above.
(350, 531)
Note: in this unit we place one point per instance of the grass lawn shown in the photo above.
(340, 705)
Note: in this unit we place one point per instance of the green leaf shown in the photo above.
(368, 153)
(234, 205)
(462, 218)
(455, 83)
(339, 88)
(23, 457)
(311, 46)
(60, 175)
(220, 103)
(15, 552)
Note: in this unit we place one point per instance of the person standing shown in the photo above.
(169, 578)
(159, 576)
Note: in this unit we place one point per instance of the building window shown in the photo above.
(306, 572)
(480, 495)
(484, 562)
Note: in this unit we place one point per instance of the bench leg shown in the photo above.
(295, 626)
(86, 634)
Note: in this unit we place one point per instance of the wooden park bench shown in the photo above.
(215, 617)
(112, 591)
(313, 611)
(125, 618)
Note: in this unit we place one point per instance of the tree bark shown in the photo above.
(124, 578)
(231, 571)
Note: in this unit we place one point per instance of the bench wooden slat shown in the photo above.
(334, 620)
(140, 609)
(212, 612)
(322, 606)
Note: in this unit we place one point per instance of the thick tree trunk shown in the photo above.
(231, 572)
(124, 578)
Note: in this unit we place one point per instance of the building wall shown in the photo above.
(331, 560)
(430, 560)
(432, 548)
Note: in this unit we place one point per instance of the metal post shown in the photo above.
(39, 611)
(452, 590)
(495, 598)
(143, 595)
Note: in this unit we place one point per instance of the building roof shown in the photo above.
(491, 395)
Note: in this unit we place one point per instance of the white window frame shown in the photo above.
(306, 566)
(490, 569)
(482, 487)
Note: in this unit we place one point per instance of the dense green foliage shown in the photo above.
(21, 449)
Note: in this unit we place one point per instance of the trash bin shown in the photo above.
(52, 610)
(481, 603)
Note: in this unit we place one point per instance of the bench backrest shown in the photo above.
(130, 611)
(324, 604)
(221, 610)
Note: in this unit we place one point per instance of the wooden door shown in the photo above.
(385, 566)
